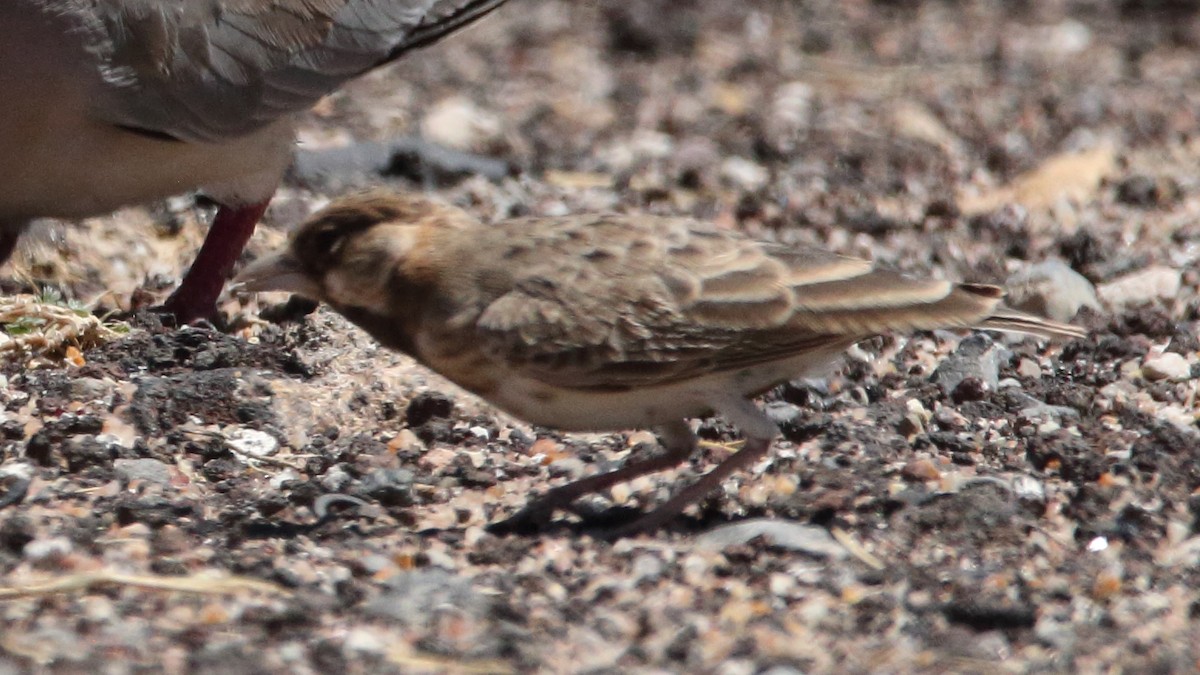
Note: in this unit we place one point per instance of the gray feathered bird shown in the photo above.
(116, 102)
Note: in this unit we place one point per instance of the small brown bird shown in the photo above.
(610, 322)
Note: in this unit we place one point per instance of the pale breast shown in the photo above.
(540, 403)
(60, 160)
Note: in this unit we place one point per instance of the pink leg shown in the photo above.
(759, 432)
(678, 443)
(196, 297)
(751, 452)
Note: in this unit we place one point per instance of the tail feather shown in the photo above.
(1010, 320)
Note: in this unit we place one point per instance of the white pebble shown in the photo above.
(252, 442)
(1166, 366)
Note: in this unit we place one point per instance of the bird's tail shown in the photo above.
(1013, 321)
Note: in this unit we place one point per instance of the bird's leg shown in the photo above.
(678, 443)
(196, 297)
(759, 432)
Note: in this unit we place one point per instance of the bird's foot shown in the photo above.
(188, 311)
(643, 523)
(529, 520)
(196, 297)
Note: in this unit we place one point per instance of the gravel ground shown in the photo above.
(284, 496)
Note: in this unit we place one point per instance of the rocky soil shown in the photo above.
(279, 494)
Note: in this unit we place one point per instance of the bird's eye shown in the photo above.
(329, 242)
(321, 246)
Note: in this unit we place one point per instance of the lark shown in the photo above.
(610, 322)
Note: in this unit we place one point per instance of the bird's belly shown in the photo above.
(589, 410)
(63, 165)
(651, 405)
(57, 160)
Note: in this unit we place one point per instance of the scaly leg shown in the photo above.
(196, 297)
(678, 443)
(759, 432)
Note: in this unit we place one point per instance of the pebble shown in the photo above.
(458, 123)
(89, 389)
(252, 442)
(390, 487)
(406, 441)
(1051, 289)
(1028, 489)
(335, 480)
(569, 466)
(147, 470)
(1141, 287)
(415, 598)
(976, 357)
(1166, 366)
(52, 548)
(646, 567)
(744, 173)
(921, 469)
(810, 539)
(1029, 368)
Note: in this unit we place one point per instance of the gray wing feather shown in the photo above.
(205, 70)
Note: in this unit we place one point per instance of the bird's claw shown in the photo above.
(529, 520)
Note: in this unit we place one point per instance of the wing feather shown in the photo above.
(619, 302)
(206, 70)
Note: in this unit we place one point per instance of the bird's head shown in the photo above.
(356, 251)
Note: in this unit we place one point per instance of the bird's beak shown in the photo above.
(278, 272)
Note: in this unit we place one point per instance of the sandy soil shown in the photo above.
(169, 498)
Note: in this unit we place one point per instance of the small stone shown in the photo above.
(567, 466)
(1147, 191)
(970, 389)
(146, 470)
(1048, 427)
(915, 419)
(458, 123)
(252, 442)
(911, 425)
(547, 449)
(389, 487)
(1141, 287)
(1051, 289)
(921, 470)
(1166, 366)
(406, 441)
(89, 389)
(744, 174)
(646, 567)
(976, 357)
(335, 480)
(50, 549)
(360, 640)
(1029, 368)
(427, 405)
(1028, 489)
(418, 598)
(811, 539)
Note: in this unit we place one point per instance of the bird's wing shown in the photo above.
(204, 70)
(620, 302)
